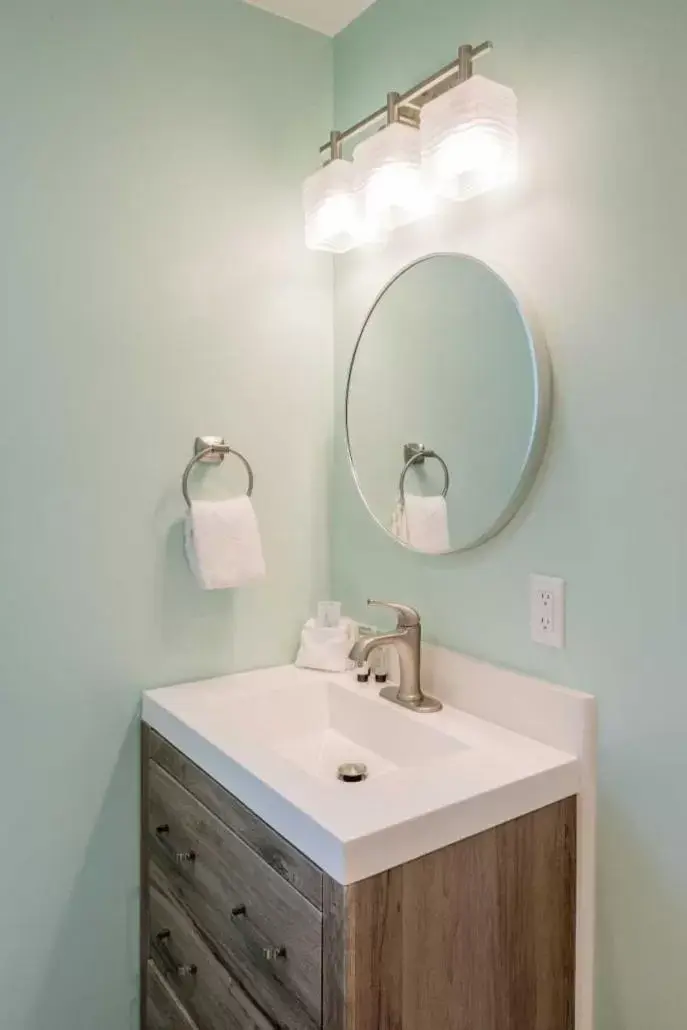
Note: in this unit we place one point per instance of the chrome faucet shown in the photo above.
(407, 639)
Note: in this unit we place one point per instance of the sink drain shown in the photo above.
(352, 772)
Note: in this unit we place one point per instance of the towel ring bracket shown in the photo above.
(417, 457)
(212, 450)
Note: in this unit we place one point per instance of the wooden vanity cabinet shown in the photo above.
(241, 931)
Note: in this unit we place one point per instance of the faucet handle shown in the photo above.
(405, 615)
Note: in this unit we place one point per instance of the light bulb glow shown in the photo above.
(332, 225)
(333, 216)
(469, 139)
(467, 144)
(395, 195)
(469, 149)
(389, 173)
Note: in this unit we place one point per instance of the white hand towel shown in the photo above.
(422, 523)
(222, 542)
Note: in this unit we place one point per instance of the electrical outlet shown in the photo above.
(547, 610)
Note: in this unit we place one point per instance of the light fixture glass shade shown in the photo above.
(389, 174)
(333, 215)
(470, 139)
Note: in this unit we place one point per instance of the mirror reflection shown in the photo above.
(447, 405)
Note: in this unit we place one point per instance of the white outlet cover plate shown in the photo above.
(547, 610)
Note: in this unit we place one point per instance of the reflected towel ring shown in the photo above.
(419, 457)
(214, 451)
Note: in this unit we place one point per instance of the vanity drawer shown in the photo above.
(207, 991)
(268, 935)
(286, 860)
(163, 1009)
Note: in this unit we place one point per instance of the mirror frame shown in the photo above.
(541, 422)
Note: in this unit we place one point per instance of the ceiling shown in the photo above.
(328, 16)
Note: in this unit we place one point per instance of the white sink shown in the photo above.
(276, 737)
(318, 730)
(503, 745)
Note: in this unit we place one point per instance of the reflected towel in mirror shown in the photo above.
(422, 523)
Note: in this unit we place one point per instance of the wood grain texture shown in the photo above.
(210, 994)
(333, 953)
(225, 875)
(286, 860)
(162, 1009)
(477, 936)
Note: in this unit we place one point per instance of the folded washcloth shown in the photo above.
(422, 523)
(326, 647)
(222, 542)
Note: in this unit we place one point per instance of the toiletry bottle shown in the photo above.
(362, 672)
(328, 614)
(379, 664)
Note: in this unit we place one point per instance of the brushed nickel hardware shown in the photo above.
(212, 450)
(414, 450)
(352, 772)
(407, 639)
(270, 953)
(405, 105)
(274, 953)
(183, 971)
(180, 857)
(415, 454)
(180, 969)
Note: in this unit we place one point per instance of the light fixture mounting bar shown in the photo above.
(420, 94)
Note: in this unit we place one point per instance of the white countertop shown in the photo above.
(356, 830)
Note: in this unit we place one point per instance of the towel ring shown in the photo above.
(213, 451)
(419, 457)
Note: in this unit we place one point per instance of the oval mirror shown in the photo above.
(448, 405)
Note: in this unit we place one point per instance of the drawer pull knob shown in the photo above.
(240, 910)
(181, 969)
(274, 953)
(184, 971)
(180, 857)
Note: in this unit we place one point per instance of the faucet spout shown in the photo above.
(406, 641)
(362, 649)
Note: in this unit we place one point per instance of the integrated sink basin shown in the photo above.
(320, 729)
(275, 738)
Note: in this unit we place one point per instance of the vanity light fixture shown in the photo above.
(334, 218)
(452, 135)
(388, 166)
(470, 135)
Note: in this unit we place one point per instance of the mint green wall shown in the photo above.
(595, 237)
(153, 285)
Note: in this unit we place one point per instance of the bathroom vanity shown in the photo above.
(408, 901)
(451, 888)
